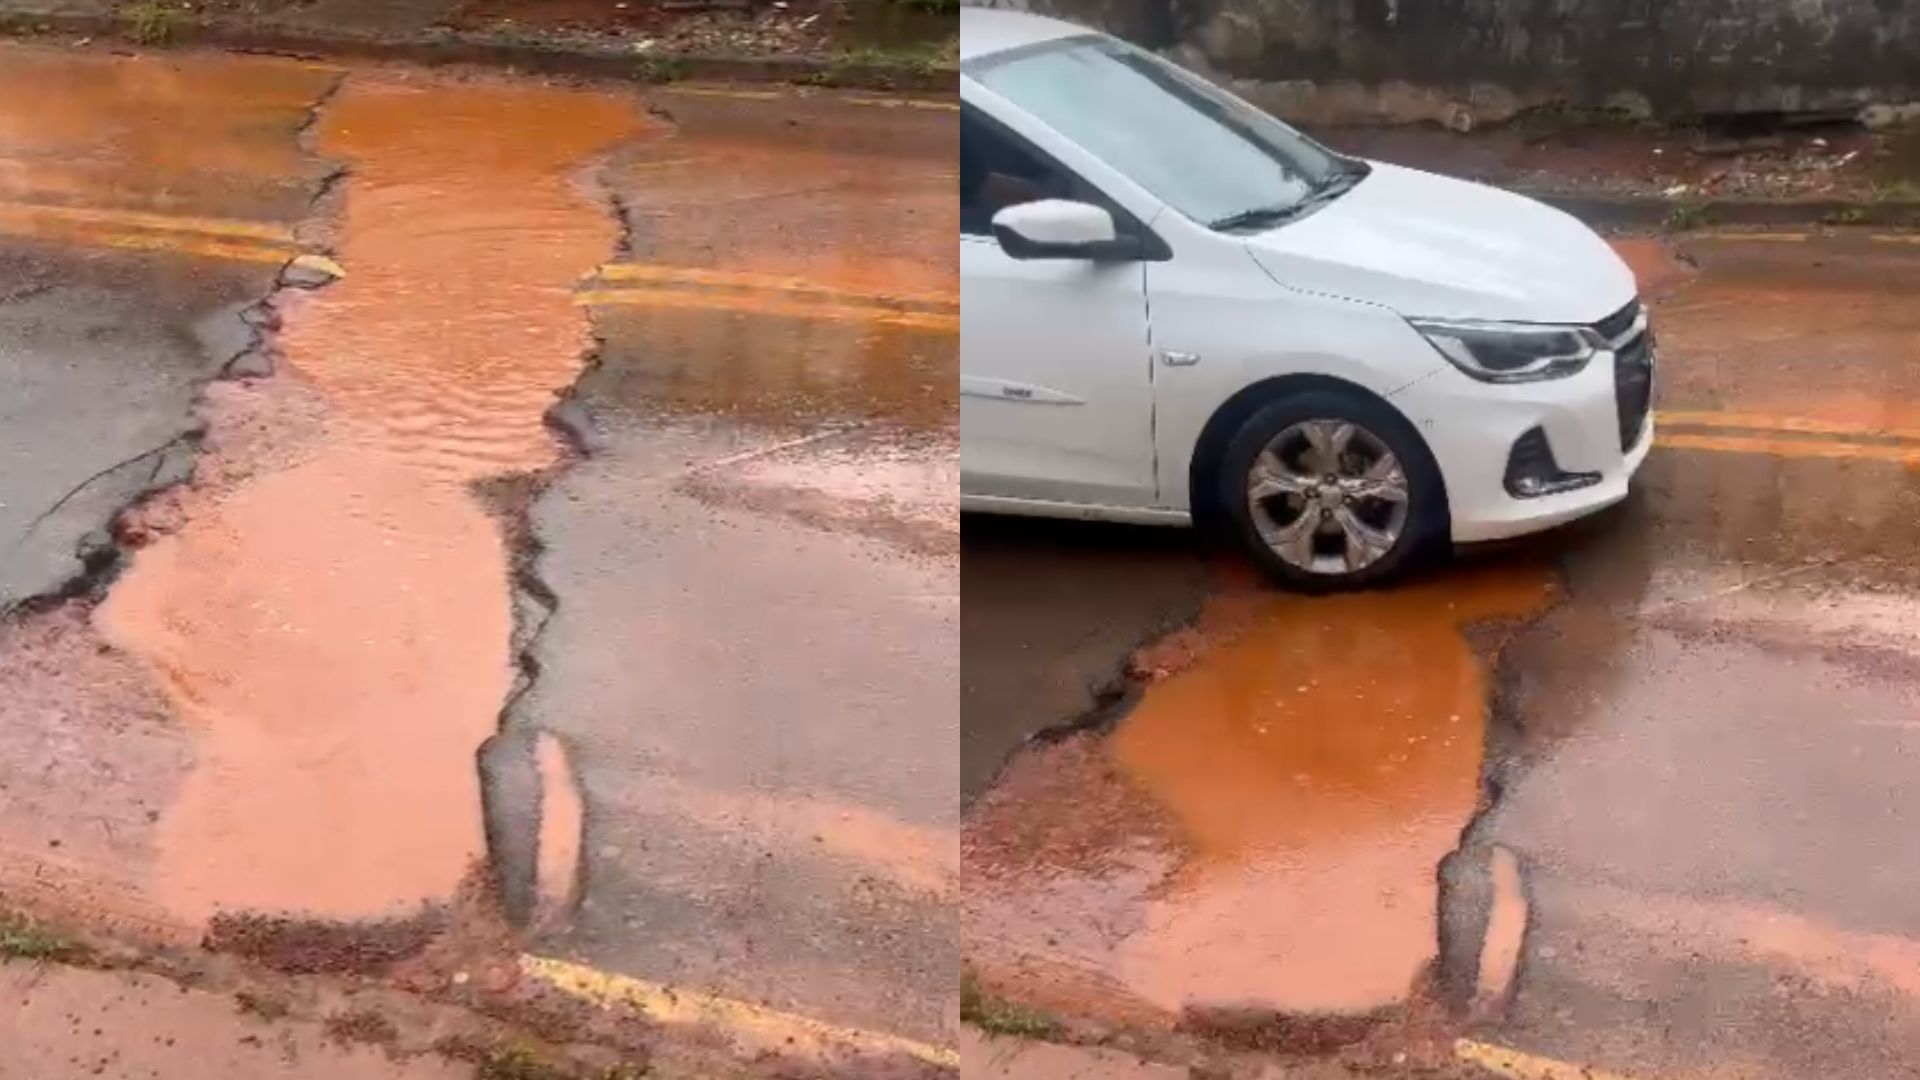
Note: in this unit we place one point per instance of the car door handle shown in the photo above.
(1176, 358)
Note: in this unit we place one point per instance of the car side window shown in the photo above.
(997, 172)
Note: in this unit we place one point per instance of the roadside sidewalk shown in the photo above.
(61, 1022)
(1651, 176)
(894, 45)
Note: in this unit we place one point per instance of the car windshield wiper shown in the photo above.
(1335, 185)
(1258, 215)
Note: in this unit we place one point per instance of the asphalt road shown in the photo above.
(1689, 722)
(87, 430)
(695, 618)
(753, 653)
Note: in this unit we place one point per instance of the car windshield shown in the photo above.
(1202, 151)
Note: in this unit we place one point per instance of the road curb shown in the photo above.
(1629, 211)
(450, 47)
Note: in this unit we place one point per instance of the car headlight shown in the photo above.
(1511, 352)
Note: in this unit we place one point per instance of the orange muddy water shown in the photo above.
(179, 133)
(1263, 830)
(335, 632)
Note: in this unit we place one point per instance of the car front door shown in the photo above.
(1056, 378)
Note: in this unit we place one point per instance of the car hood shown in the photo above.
(1432, 246)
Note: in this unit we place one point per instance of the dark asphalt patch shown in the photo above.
(104, 357)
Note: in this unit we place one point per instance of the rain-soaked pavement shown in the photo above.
(671, 653)
(72, 1022)
(1687, 724)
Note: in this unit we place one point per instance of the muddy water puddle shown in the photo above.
(1263, 829)
(334, 630)
(1733, 329)
(180, 134)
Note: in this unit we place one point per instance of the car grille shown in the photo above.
(1619, 322)
(1633, 387)
(1632, 369)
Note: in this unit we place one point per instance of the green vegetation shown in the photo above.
(1896, 191)
(881, 67)
(1687, 216)
(150, 22)
(521, 1063)
(920, 61)
(517, 1063)
(997, 1017)
(660, 69)
(938, 7)
(22, 939)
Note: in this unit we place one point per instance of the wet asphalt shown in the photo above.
(670, 654)
(88, 430)
(722, 575)
(1692, 725)
(753, 650)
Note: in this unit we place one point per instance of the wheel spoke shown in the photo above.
(1328, 440)
(1270, 477)
(1294, 540)
(1383, 480)
(1364, 542)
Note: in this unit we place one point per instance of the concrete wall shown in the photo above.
(1463, 62)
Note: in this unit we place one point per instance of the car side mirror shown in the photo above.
(1062, 229)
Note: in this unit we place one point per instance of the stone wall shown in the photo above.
(1463, 62)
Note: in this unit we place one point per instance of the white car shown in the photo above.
(1175, 307)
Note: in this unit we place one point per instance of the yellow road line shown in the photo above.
(1896, 238)
(739, 94)
(691, 300)
(140, 219)
(727, 92)
(754, 1026)
(1518, 1065)
(1756, 237)
(1799, 425)
(136, 230)
(905, 103)
(1791, 448)
(682, 275)
(231, 250)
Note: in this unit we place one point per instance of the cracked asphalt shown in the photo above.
(1689, 724)
(410, 481)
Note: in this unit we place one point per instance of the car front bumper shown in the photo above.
(1471, 428)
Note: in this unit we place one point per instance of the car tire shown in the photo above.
(1330, 464)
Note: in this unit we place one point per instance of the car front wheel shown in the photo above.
(1332, 491)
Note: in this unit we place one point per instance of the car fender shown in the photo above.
(1262, 335)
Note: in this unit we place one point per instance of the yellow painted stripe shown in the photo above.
(1897, 238)
(708, 301)
(873, 100)
(1791, 448)
(231, 250)
(1518, 1065)
(130, 230)
(755, 1026)
(1754, 237)
(686, 275)
(1799, 425)
(905, 103)
(139, 219)
(725, 92)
